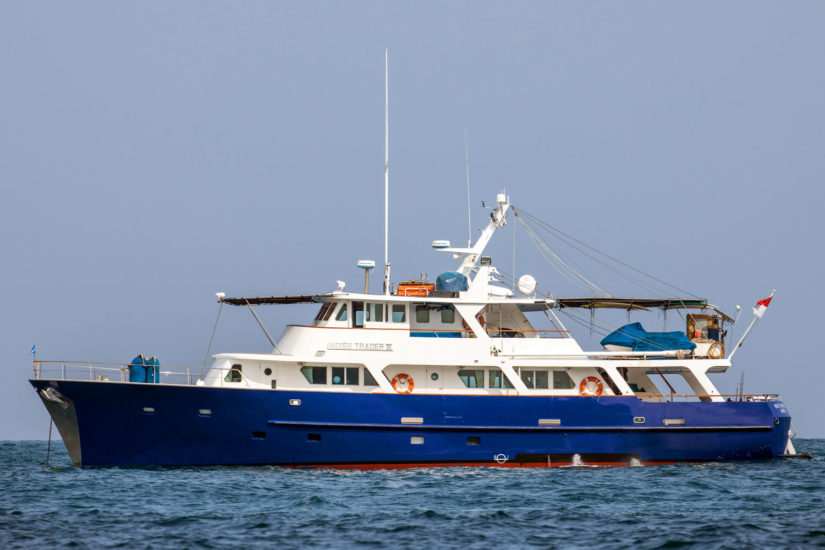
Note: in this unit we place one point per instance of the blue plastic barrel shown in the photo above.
(153, 370)
(137, 369)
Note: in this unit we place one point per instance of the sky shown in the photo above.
(155, 153)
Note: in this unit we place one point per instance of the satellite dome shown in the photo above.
(527, 285)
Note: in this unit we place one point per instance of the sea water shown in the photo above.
(777, 502)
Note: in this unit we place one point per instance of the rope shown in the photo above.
(209, 347)
(562, 235)
(559, 264)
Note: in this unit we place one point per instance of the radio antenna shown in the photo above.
(387, 171)
(467, 164)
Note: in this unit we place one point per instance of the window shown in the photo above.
(234, 374)
(313, 437)
(473, 441)
(352, 376)
(337, 375)
(258, 435)
(472, 378)
(417, 440)
(422, 314)
(358, 314)
(342, 313)
(315, 375)
(448, 315)
(498, 380)
(326, 311)
(542, 377)
(399, 313)
(375, 312)
(368, 379)
(267, 371)
(562, 381)
(529, 378)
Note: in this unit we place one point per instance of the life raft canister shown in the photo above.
(403, 383)
(591, 386)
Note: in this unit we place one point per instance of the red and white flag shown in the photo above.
(761, 306)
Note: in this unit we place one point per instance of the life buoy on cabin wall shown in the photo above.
(479, 318)
(403, 383)
(591, 386)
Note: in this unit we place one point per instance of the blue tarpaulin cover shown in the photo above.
(635, 337)
(450, 280)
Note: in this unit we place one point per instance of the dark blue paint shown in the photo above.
(366, 428)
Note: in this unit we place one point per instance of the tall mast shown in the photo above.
(387, 171)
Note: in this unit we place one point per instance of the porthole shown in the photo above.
(434, 376)
(268, 371)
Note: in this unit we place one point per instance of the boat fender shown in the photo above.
(591, 386)
(716, 350)
(403, 383)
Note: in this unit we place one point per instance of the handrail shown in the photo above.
(98, 369)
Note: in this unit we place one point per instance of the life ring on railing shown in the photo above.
(591, 386)
(716, 350)
(403, 383)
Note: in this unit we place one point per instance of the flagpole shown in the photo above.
(747, 331)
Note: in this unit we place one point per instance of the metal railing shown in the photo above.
(118, 372)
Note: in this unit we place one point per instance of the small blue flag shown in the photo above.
(34, 350)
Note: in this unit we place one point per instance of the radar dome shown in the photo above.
(527, 285)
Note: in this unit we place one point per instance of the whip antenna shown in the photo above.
(467, 164)
(386, 171)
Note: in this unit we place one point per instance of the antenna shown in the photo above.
(467, 162)
(387, 171)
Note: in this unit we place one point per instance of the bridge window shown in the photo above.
(352, 376)
(422, 314)
(337, 375)
(472, 378)
(342, 313)
(358, 314)
(399, 313)
(326, 311)
(375, 312)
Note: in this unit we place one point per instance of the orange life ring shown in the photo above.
(586, 387)
(403, 383)
(480, 318)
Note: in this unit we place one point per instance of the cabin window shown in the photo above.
(542, 379)
(422, 314)
(358, 314)
(234, 374)
(562, 380)
(472, 378)
(315, 375)
(498, 380)
(448, 315)
(342, 313)
(399, 313)
(368, 379)
(352, 376)
(375, 312)
(529, 378)
(337, 375)
(325, 312)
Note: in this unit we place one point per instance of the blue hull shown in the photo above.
(110, 423)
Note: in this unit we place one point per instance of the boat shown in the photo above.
(444, 374)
